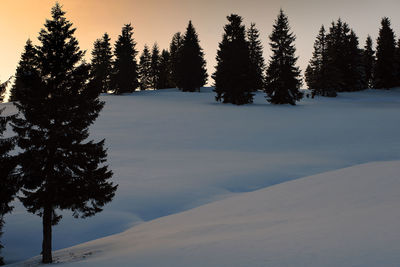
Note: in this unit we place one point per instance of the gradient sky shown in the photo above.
(158, 20)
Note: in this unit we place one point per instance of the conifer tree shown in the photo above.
(8, 181)
(145, 69)
(174, 50)
(26, 63)
(191, 65)
(232, 74)
(368, 62)
(155, 67)
(59, 168)
(165, 78)
(385, 67)
(283, 77)
(125, 72)
(102, 63)
(256, 58)
(316, 72)
(353, 73)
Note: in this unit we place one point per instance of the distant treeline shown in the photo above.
(337, 64)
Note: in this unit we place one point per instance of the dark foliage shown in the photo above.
(174, 50)
(385, 67)
(102, 64)
(60, 169)
(27, 61)
(368, 60)
(283, 77)
(125, 72)
(191, 63)
(145, 81)
(165, 75)
(9, 184)
(232, 75)
(257, 67)
(155, 67)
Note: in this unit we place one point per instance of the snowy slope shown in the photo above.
(348, 217)
(172, 151)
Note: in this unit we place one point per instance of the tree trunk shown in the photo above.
(46, 245)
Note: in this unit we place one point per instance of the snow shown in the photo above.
(347, 217)
(173, 151)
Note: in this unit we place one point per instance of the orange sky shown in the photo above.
(158, 20)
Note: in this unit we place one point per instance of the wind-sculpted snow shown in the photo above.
(347, 217)
(173, 151)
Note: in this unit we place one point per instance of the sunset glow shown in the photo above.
(158, 20)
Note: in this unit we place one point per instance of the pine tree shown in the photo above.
(368, 62)
(256, 58)
(283, 77)
(353, 73)
(26, 63)
(191, 65)
(145, 69)
(174, 50)
(125, 73)
(102, 63)
(60, 169)
(165, 78)
(155, 67)
(232, 75)
(316, 72)
(8, 180)
(385, 67)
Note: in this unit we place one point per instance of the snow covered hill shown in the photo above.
(172, 151)
(348, 217)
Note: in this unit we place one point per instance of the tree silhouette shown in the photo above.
(155, 67)
(145, 69)
(385, 67)
(191, 64)
(60, 169)
(256, 58)
(9, 184)
(232, 75)
(283, 77)
(175, 50)
(125, 72)
(368, 62)
(26, 63)
(102, 63)
(165, 77)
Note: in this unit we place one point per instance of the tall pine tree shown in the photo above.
(191, 64)
(385, 67)
(368, 59)
(175, 50)
(8, 182)
(60, 169)
(155, 67)
(145, 69)
(232, 75)
(26, 63)
(316, 72)
(256, 58)
(102, 63)
(353, 72)
(125, 72)
(397, 56)
(283, 77)
(165, 77)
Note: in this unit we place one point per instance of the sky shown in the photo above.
(158, 20)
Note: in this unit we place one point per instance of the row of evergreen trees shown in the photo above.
(183, 66)
(55, 167)
(338, 64)
(240, 64)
